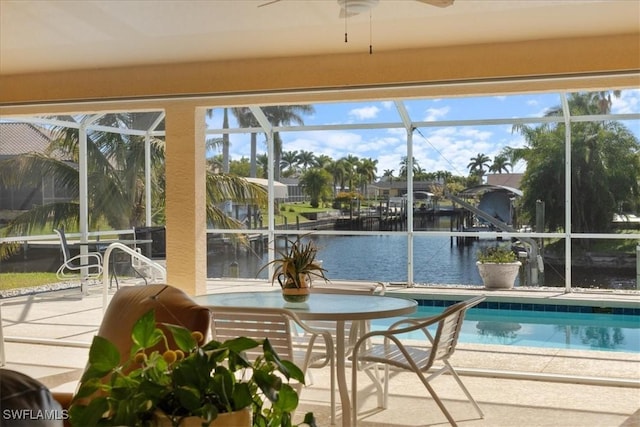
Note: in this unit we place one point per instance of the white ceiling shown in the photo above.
(55, 35)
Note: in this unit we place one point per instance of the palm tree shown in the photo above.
(500, 163)
(306, 159)
(322, 160)
(404, 166)
(420, 174)
(289, 162)
(115, 164)
(350, 164)
(246, 119)
(224, 141)
(603, 100)
(284, 115)
(588, 103)
(442, 176)
(604, 169)
(367, 169)
(262, 161)
(388, 173)
(316, 184)
(479, 165)
(337, 170)
(214, 163)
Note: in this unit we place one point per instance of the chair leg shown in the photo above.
(380, 385)
(332, 385)
(439, 403)
(354, 394)
(464, 389)
(385, 393)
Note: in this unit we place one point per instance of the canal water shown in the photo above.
(384, 258)
(374, 258)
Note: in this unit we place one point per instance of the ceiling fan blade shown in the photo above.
(268, 3)
(349, 14)
(437, 3)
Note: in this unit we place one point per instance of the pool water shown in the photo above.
(562, 330)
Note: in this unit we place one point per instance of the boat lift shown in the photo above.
(535, 264)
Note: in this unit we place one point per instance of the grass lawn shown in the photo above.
(25, 280)
(293, 210)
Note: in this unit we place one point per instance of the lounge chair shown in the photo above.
(72, 266)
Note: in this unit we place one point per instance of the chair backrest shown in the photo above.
(171, 305)
(354, 328)
(355, 288)
(258, 324)
(64, 247)
(448, 330)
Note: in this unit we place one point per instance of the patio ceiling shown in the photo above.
(179, 57)
(37, 36)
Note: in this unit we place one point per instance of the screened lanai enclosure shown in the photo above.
(404, 191)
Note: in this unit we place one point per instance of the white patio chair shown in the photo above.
(279, 326)
(73, 266)
(355, 329)
(393, 352)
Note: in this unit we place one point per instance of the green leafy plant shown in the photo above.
(296, 264)
(194, 379)
(496, 254)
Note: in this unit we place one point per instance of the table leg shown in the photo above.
(341, 374)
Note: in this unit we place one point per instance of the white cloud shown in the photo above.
(434, 114)
(363, 113)
(629, 102)
(442, 148)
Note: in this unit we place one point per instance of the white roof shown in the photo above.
(281, 191)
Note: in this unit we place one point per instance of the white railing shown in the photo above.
(157, 271)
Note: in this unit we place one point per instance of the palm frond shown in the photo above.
(222, 187)
(29, 170)
(64, 214)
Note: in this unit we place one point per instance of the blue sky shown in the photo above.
(435, 148)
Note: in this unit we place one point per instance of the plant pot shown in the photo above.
(295, 294)
(498, 275)
(241, 418)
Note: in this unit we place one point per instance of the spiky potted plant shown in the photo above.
(294, 269)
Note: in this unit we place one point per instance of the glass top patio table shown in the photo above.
(319, 306)
(322, 306)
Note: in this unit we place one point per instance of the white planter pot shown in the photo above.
(498, 275)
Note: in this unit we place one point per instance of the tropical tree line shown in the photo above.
(322, 178)
(605, 167)
(116, 182)
(605, 171)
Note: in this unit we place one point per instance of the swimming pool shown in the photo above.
(560, 329)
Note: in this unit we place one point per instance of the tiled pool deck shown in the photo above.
(514, 385)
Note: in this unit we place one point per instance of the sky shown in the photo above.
(436, 148)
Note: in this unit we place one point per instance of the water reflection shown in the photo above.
(498, 332)
(598, 337)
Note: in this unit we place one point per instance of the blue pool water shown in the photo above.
(562, 330)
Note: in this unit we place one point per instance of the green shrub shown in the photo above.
(497, 254)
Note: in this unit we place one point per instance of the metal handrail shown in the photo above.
(162, 272)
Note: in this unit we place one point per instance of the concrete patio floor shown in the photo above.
(514, 386)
